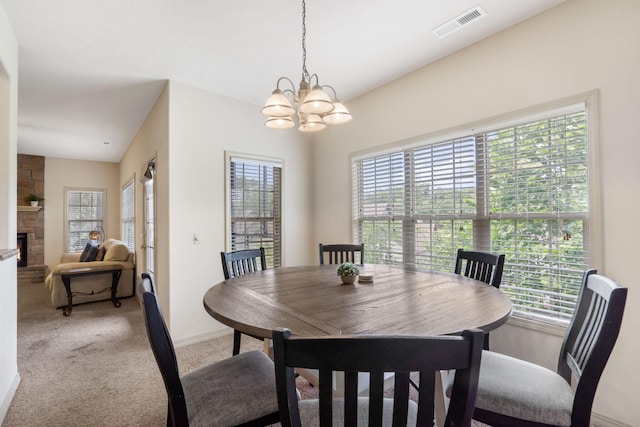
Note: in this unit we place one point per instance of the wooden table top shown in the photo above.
(312, 301)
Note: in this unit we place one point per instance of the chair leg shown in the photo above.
(236, 342)
(485, 345)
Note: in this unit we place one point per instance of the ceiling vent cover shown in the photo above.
(459, 21)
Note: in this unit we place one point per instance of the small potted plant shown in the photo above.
(33, 199)
(348, 272)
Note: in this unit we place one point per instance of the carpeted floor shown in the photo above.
(95, 367)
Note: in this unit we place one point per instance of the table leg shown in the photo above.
(114, 288)
(66, 311)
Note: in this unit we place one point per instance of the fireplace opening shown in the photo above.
(22, 249)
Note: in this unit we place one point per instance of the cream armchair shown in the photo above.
(93, 280)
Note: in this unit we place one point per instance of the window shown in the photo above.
(128, 216)
(521, 190)
(85, 212)
(254, 206)
(149, 216)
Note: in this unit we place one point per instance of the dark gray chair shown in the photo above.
(241, 262)
(236, 391)
(339, 253)
(481, 266)
(238, 263)
(376, 355)
(512, 392)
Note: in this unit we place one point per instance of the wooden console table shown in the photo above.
(77, 272)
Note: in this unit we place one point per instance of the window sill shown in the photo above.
(538, 326)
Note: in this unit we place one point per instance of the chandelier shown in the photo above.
(315, 108)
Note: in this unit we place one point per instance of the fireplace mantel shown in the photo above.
(29, 208)
(7, 253)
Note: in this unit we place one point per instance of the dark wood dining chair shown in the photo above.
(238, 263)
(482, 266)
(512, 392)
(236, 391)
(339, 253)
(375, 356)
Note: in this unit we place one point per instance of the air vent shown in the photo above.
(459, 21)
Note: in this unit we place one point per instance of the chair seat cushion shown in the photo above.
(523, 390)
(232, 391)
(309, 412)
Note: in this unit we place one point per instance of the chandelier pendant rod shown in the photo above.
(305, 73)
(314, 108)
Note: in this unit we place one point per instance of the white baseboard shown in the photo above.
(203, 337)
(6, 401)
(598, 420)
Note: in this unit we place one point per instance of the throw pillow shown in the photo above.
(101, 251)
(117, 252)
(90, 251)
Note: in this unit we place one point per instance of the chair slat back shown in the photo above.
(339, 253)
(164, 352)
(238, 263)
(595, 325)
(481, 266)
(377, 355)
(590, 339)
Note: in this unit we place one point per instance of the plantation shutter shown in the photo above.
(127, 230)
(539, 211)
(518, 189)
(255, 205)
(414, 207)
(83, 214)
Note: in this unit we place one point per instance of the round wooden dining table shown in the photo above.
(312, 301)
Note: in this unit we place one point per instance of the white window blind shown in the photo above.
(84, 212)
(127, 229)
(521, 190)
(255, 193)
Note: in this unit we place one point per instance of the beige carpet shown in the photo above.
(95, 367)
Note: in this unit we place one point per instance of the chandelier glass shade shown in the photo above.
(314, 108)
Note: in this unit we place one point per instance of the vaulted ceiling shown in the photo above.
(90, 70)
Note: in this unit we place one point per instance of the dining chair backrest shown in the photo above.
(482, 266)
(377, 355)
(164, 352)
(513, 392)
(238, 263)
(339, 253)
(590, 339)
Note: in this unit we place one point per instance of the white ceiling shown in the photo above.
(90, 70)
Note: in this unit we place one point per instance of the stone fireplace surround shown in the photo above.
(31, 220)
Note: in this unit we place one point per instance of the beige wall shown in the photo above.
(9, 377)
(579, 46)
(203, 126)
(78, 174)
(191, 129)
(152, 141)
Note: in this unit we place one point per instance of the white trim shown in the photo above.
(195, 339)
(66, 207)
(535, 325)
(265, 160)
(596, 239)
(6, 402)
(539, 111)
(599, 420)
